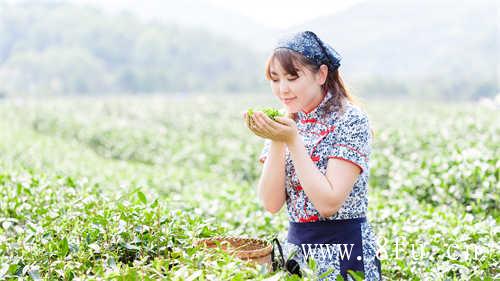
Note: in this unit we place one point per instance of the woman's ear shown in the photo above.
(322, 74)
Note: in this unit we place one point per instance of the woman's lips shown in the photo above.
(289, 100)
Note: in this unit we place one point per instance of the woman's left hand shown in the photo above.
(283, 129)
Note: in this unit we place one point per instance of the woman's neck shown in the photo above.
(314, 103)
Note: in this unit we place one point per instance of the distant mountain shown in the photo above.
(433, 47)
(442, 48)
(64, 48)
(194, 13)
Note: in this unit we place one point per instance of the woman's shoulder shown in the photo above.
(350, 114)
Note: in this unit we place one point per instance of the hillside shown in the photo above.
(63, 48)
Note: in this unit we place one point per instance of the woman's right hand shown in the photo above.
(250, 123)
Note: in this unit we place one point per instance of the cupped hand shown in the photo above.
(283, 129)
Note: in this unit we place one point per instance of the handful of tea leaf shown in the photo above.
(269, 111)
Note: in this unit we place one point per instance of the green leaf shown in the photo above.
(328, 272)
(357, 275)
(64, 247)
(312, 263)
(154, 204)
(142, 197)
(111, 263)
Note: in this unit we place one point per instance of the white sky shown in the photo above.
(279, 14)
(284, 13)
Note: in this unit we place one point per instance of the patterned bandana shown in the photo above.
(309, 45)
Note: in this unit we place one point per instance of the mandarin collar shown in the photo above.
(316, 112)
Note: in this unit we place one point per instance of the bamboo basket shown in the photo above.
(255, 250)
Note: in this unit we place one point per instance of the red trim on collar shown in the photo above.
(311, 120)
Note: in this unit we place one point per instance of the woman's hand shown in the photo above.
(283, 129)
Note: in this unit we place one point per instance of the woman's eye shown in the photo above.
(292, 78)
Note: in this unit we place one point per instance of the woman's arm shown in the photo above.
(271, 187)
(326, 192)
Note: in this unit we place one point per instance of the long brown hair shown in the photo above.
(291, 62)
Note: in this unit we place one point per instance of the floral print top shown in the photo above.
(329, 134)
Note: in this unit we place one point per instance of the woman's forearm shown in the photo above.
(271, 187)
(316, 185)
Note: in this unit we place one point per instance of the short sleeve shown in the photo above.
(265, 151)
(351, 141)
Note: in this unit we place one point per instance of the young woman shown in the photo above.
(317, 160)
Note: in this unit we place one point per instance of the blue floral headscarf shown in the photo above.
(310, 46)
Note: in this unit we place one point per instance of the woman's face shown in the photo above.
(296, 93)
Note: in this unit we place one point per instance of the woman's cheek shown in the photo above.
(275, 91)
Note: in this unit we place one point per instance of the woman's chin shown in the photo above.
(291, 108)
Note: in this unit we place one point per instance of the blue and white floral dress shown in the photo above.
(329, 132)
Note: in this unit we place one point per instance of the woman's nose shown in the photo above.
(284, 87)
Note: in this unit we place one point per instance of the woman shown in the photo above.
(317, 160)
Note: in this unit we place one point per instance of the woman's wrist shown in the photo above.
(278, 144)
(293, 142)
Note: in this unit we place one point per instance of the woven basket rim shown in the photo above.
(256, 253)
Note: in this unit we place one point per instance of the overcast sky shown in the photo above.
(284, 13)
(279, 14)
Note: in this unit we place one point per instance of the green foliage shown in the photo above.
(120, 189)
(272, 112)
